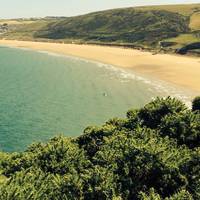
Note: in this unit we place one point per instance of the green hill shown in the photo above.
(171, 27)
(122, 25)
(152, 154)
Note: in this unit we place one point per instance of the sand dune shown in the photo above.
(180, 70)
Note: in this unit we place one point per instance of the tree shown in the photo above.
(152, 154)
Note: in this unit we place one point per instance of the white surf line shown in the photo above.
(160, 86)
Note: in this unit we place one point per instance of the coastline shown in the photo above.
(181, 71)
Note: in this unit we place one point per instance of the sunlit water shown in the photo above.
(43, 95)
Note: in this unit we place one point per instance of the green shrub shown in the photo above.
(152, 114)
(153, 154)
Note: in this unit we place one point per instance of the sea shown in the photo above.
(43, 95)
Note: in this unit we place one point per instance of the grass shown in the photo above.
(24, 30)
(121, 25)
(184, 39)
(195, 21)
(15, 22)
(184, 9)
(2, 179)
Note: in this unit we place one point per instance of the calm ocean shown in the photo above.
(43, 95)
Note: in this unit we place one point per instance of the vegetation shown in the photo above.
(142, 27)
(196, 104)
(152, 154)
(123, 25)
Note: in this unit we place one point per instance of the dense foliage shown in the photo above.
(152, 154)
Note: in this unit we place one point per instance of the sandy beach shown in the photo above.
(182, 71)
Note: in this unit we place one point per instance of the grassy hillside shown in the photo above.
(23, 29)
(153, 154)
(123, 25)
(141, 26)
(195, 21)
(184, 9)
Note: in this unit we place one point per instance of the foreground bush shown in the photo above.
(153, 154)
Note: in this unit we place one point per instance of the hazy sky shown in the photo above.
(41, 8)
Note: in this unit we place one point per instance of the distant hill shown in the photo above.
(166, 27)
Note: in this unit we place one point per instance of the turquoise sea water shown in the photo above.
(42, 95)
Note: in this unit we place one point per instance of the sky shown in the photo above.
(42, 8)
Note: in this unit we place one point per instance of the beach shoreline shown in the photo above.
(182, 71)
